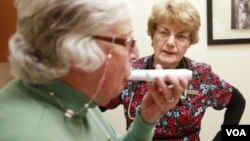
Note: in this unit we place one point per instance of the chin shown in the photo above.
(104, 101)
(104, 104)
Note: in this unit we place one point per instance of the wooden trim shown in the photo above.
(7, 26)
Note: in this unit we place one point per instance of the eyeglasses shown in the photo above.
(180, 38)
(129, 42)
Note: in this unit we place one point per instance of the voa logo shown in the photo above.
(236, 132)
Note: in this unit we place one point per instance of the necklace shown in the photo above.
(69, 113)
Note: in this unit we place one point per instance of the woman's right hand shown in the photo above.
(162, 97)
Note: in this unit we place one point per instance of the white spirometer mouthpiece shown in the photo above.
(151, 74)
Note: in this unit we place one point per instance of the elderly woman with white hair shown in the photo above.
(68, 57)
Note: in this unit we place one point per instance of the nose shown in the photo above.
(134, 53)
(171, 39)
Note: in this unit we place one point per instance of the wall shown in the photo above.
(7, 26)
(231, 62)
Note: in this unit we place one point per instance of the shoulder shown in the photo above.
(198, 67)
(20, 114)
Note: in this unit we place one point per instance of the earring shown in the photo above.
(109, 56)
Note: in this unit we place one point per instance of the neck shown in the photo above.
(168, 66)
(173, 65)
(83, 81)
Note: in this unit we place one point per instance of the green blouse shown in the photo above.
(29, 113)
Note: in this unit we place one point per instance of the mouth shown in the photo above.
(168, 52)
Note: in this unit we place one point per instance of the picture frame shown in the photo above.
(211, 26)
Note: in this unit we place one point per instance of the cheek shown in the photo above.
(156, 44)
(120, 65)
(183, 50)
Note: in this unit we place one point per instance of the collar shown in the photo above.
(149, 63)
(68, 96)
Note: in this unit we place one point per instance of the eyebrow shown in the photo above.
(179, 32)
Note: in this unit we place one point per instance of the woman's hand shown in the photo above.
(162, 97)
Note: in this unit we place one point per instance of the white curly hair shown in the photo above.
(53, 33)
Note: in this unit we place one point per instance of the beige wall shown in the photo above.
(231, 62)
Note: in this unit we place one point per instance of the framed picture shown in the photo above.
(222, 22)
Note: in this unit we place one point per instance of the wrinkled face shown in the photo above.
(170, 42)
(119, 65)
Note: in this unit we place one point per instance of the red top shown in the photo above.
(184, 121)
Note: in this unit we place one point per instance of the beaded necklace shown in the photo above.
(69, 112)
